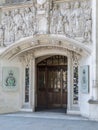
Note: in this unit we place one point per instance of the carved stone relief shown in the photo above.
(42, 17)
(72, 19)
(1, 36)
(25, 58)
(41, 5)
(17, 23)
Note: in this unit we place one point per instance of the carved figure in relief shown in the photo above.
(7, 26)
(86, 10)
(22, 13)
(4, 22)
(31, 22)
(12, 36)
(11, 28)
(18, 20)
(54, 20)
(43, 7)
(5, 18)
(41, 4)
(33, 11)
(60, 25)
(67, 20)
(47, 8)
(19, 33)
(76, 18)
(88, 30)
(1, 36)
(88, 22)
(23, 26)
(28, 21)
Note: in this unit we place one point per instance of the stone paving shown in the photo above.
(45, 121)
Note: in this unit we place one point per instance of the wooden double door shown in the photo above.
(52, 86)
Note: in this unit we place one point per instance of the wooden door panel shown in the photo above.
(57, 99)
(41, 99)
(64, 98)
(50, 99)
(52, 83)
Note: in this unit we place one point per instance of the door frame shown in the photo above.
(45, 90)
(33, 77)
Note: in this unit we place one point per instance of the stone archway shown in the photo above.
(43, 42)
(29, 49)
(46, 52)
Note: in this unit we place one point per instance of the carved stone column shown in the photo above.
(96, 36)
(95, 52)
(32, 84)
(71, 108)
(69, 82)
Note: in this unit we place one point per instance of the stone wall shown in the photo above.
(10, 100)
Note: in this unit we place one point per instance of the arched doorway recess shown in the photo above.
(52, 82)
(28, 50)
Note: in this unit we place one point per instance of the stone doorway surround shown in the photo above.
(51, 39)
(28, 49)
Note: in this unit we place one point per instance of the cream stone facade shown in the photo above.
(34, 31)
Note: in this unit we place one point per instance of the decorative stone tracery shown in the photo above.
(26, 58)
(75, 61)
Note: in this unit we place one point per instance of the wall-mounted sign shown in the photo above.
(10, 78)
(84, 79)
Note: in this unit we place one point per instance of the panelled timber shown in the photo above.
(52, 82)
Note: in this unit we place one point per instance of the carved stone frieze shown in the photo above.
(18, 23)
(70, 18)
(73, 19)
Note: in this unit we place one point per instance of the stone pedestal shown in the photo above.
(93, 109)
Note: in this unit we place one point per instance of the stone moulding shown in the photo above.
(93, 101)
(44, 41)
